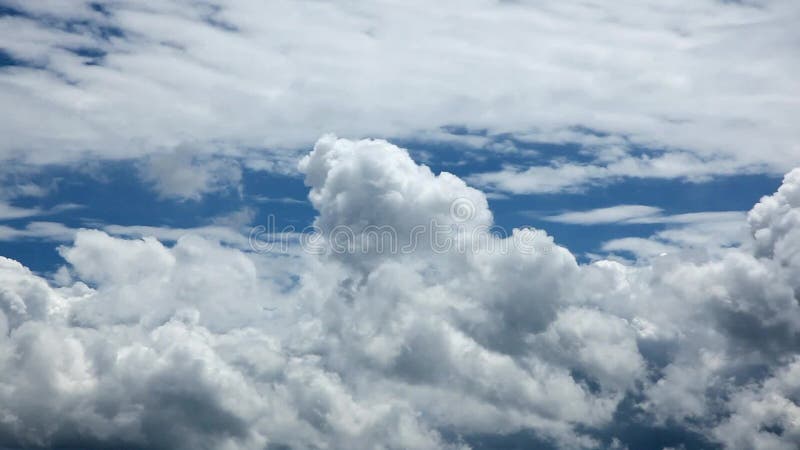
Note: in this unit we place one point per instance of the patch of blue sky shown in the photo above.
(727, 193)
(112, 193)
(78, 26)
(6, 10)
(91, 55)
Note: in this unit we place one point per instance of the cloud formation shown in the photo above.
(201, 345)
(700, 84)
(611, 214)
(183, 176)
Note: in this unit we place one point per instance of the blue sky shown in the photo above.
(145, 145)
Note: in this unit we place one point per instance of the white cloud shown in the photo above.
(699, 217)
(222, 234)
(38, 230)
(14, 212)
(775, 221)
(10, 212)
(705, 81)
(611, 214)
(199, 345)
(186, 177)
(705, 231)
(345, 176)
(709, 234)
(641, 214)
(573, 177)
(764, 416)
(268, 199)
(57, 232)
(642, 248)
(709, 231)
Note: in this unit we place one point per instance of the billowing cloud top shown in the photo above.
(362, 183)
(141, 345)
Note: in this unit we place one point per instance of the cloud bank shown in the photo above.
(707, 87)
(135, 344)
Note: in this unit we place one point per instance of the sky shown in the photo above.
(399, 225)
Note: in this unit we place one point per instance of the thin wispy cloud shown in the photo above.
(611, 214)
(638, 214)
(10, 212)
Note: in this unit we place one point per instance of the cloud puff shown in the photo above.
(611, 214)
(367, 182)
(185, 176)
(199, 345)
(775, 222)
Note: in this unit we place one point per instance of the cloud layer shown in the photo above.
(709, 84)
(200, 345)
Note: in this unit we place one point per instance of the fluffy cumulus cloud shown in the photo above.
(776, 223)
(201, 345)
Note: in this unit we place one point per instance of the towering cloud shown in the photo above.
(199, 345)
